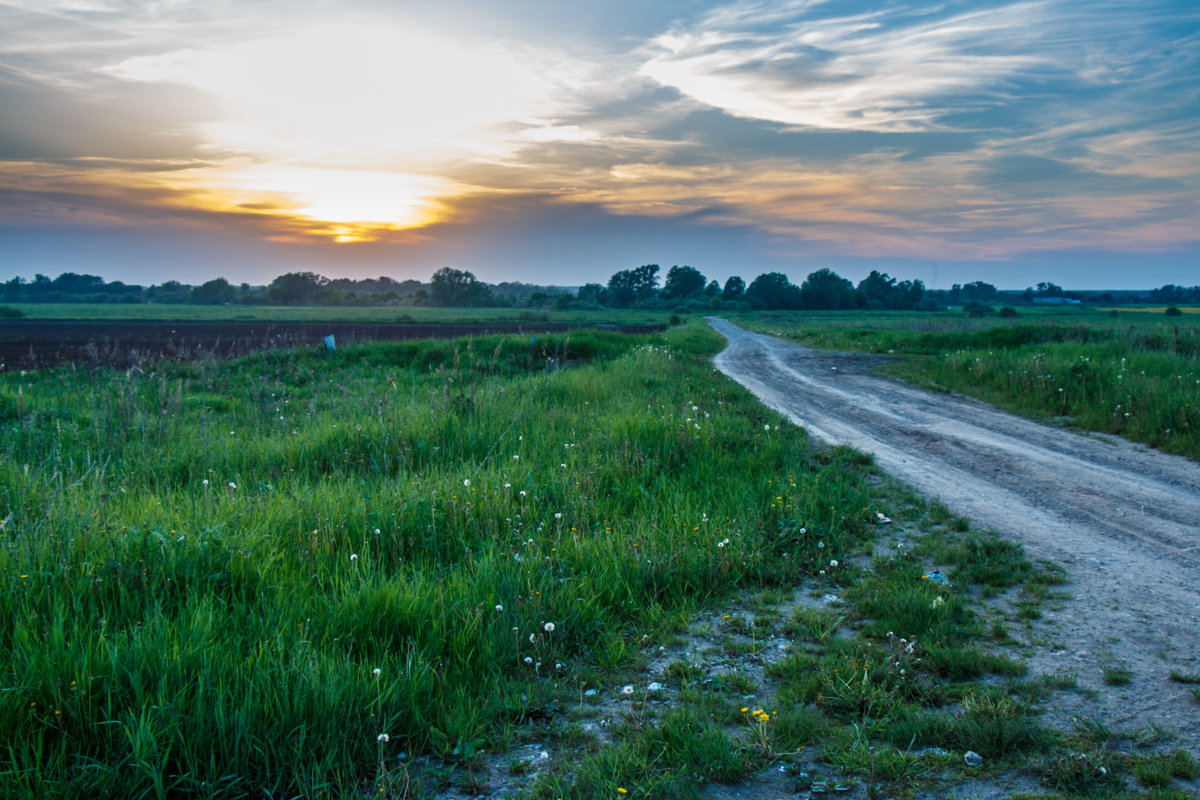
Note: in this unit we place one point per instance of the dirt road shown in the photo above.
(1123, 521)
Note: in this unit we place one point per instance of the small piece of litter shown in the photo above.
(972, 758)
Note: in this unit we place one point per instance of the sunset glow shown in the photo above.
(975, 140)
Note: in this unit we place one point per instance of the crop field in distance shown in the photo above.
(396, 569)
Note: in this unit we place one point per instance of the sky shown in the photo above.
(557, 142)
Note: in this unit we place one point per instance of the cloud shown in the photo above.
(899, 69)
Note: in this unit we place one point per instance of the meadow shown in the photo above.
(1133, 374)
(363, 573)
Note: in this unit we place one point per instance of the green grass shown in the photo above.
(228, 579)
(1135, 375)
(205, 563)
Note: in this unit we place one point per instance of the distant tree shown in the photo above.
(1173, 311)
(713, 289)
(169, 292)
(773, 290)
(682, 282)
(592, 293)
(69, 283)
(826, 289)
(979, 292)
(297, 288)
(214, 292)
(880, 291)
(630, 286)
(734, 289)
(12, 288)
(456, 287)
(1045, 289)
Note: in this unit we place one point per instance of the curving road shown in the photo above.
(1123, 520)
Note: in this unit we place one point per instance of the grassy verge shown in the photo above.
(1136, 375)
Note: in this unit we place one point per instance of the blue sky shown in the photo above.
(554, 142)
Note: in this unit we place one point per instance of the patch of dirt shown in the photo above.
(1122, 520)
(41, 343)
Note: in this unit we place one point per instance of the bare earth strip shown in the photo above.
(1123, 521)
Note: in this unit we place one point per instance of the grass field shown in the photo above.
(363, 574)
(1136, 375)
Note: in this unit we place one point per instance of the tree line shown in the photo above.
(683, 288)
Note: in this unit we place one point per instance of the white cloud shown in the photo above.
(879, 71)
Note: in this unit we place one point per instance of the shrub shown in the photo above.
(1173, 311)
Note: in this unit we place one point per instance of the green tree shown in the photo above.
(631, 286)
(735, 287)
(456, 287)
(773, 290)
(682, 282)
(297, 288)
(825, 289)
(214, 292)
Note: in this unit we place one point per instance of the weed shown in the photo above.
(1117, 676)
(1159, 770)
(1087, 774)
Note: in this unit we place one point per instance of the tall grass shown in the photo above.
(232, 578)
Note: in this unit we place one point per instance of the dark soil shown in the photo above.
(28, 344)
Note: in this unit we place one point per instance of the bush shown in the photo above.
(8, 312)
(1008, 312)
(1173, 311)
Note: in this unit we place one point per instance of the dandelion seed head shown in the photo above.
(548, 627)
(382, 738)
(377, 672)
(499, 607)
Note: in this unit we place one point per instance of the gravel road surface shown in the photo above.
(1124, 521)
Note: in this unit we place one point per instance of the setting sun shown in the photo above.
(341, 127)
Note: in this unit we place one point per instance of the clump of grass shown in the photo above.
(671, 759)
(1183, 677)
(1117, 676)
(1090, 773)
(1160, 770)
